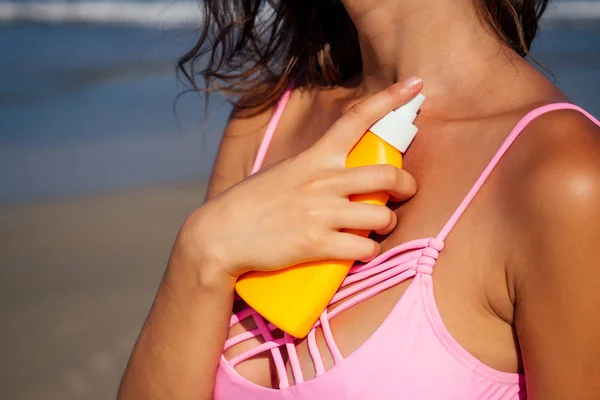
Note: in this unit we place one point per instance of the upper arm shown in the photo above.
(241, 139)
(557, 284)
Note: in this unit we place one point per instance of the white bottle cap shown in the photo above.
(397, 128)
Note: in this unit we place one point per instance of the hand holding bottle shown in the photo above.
(295, 210)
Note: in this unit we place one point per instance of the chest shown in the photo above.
(445, 160)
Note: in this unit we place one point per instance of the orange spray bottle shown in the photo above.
(293, 298)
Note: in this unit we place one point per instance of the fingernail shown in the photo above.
(412, 82)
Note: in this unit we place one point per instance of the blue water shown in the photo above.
(90, 107)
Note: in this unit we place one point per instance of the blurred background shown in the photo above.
(100, 163)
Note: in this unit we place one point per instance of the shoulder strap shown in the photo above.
(501, 151)
(271, 128)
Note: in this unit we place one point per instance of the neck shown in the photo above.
(442, 41)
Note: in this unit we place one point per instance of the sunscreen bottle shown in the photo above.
(294, 298)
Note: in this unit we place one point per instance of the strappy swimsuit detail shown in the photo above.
(410, 355)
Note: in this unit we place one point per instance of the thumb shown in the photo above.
(351, 126)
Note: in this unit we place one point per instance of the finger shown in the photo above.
(347, 246)
(347, 130)
(368, 217)
(388, 229)
(374, 178)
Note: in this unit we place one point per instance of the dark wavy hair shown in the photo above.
(250, 49)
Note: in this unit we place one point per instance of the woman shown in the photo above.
(504, 300)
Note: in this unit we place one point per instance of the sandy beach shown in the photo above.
(78, 277)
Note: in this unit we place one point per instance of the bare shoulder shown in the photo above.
(241, 140)
(553, 169)
(551, 181)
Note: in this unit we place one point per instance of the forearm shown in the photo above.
(178, 350)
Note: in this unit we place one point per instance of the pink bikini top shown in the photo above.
(411, 355)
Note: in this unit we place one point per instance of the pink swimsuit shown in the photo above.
(410, 356)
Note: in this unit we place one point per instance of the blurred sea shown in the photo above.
(88, 92)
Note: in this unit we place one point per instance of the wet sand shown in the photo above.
(78, 277)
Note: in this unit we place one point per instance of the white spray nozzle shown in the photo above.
(397, 127)
(409, 110)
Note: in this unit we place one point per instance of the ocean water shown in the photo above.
(90, 107)
(89, 96)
